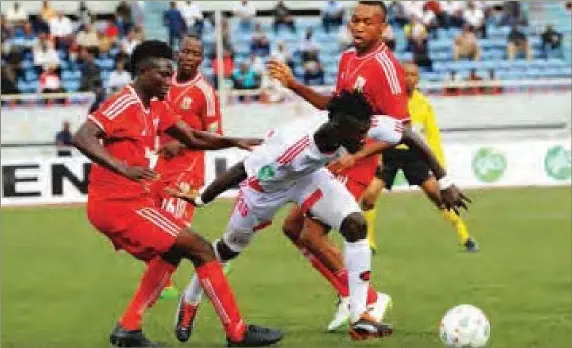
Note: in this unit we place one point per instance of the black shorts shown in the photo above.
(415, 169)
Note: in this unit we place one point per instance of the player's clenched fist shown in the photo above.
(280, 72)
(136, 173)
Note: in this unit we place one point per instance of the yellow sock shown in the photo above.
(457, 223)
(370, 218)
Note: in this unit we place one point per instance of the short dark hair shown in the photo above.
(380, 4)
(350, 104)
(147, 50)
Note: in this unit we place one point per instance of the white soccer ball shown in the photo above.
(465, 326)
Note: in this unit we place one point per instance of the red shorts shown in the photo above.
(356, 188)
(180, 208)
(136, 225)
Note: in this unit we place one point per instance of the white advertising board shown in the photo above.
(47, 180)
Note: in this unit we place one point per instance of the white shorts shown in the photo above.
(319, 193)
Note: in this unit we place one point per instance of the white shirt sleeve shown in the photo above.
(386, 129)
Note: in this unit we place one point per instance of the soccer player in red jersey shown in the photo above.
(120, 138)
(371, 67)
(195, 100)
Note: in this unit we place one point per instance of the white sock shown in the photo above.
(357, 258)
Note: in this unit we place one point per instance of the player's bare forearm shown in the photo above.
(194, 139)
(310, 95)
(416, 143)
(87, 141)
(232, 177)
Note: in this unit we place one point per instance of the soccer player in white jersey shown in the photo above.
(289, 167)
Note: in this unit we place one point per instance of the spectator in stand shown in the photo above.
(137, 12)
(194, 19)
(130, 41)
(568, 7)
(245, 78)
(388, 37)
(308, 47)
(474, 77)
(513, 14)
(90, 72)
(123, 17)
(475, 17)
(454, 12)
(430, 22)
(313, 70)
(282, 16)
(517, 43)
(420, 51)
(119, 77)
(47, 13)
(27, 40)
(259, 44)
(9, 80)
(397, 15)
(50, 81)
(87, 37)
(435, 7)
(345, 38)
(123, 57)
(245, 12)
(257, 64)
(84, 15)
(227, 67)
(175, 24)
(44, 53)
(16, 16)
(466, 45)
(281, 54)
(64, 140)
(551, 42)
(61, 29)
(332, 15)
(416, 33)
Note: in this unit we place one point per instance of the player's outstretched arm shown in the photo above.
(194, 139)
(232, 177)
(87, 140)
(452, 197)
(283, 73)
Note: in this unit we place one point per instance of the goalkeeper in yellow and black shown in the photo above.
(416, 171)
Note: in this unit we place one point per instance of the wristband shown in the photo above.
(445, 183)
(199, 201)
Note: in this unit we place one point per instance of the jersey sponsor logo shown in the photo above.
(266, 173)
(558, 163)
(186, 103)
(489, 164)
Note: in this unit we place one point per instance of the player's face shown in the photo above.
(158, 77)
(190, 56)
(411, 76)
(352, 133)
(366, 26)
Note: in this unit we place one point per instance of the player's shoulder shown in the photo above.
(118, 102)
(350, 52)
(205, 86)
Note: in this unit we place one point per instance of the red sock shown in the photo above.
(341, 287)
(218, 290)
(371, 293)
(157, 273)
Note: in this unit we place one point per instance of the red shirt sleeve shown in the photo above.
(391, 96)
(107, 118)
(210, 116)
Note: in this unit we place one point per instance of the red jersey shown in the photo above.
(197, 103)
(131, 131)
(381, 78)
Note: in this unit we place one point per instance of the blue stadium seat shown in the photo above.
(71, 85)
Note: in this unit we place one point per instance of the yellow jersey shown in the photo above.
(423, 121)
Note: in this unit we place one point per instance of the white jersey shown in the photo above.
(290, 153)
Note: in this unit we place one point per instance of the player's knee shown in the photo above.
(194, 247)
(292, 227)
(223, 252)
(354, 227)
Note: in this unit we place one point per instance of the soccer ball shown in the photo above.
(465, 326)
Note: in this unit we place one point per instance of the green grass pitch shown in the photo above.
(63, 286)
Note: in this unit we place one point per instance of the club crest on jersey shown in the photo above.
(359, 84)
(266, 173)
(186, 103)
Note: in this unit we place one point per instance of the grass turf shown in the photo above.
(63, 286)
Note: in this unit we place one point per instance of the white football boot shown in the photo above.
(342, 316)
(379, 308)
